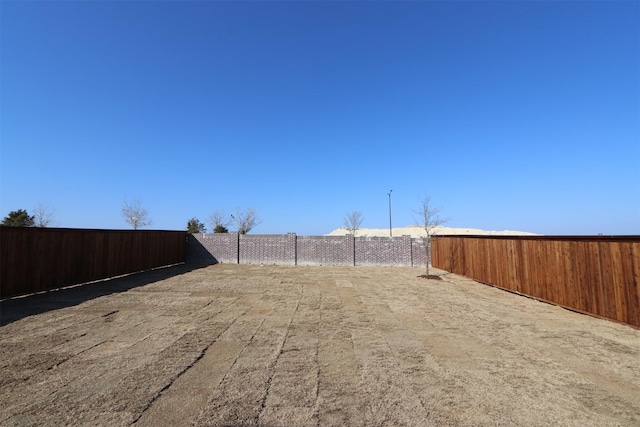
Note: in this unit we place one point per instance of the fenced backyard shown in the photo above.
(40, 259)
(264, 345)
(594, 275)
(267, 345)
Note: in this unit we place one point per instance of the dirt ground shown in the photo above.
(231, 345)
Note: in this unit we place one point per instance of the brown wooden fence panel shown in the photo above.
(596, 275)
(39, 259)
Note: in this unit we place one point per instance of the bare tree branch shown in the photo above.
(429, 219)
(44, 216)
(220, 222)
(135, 215)
(352, 221)
(246, 220)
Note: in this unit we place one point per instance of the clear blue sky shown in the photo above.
(510, 115)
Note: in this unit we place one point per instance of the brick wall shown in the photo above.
(213, 248)
(268, 249)
(289, 249)
(325, 250)
(383, 251)
(418, 252)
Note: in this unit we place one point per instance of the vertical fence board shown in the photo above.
(595, 275)
(622, 273)
(610, 304)
(633, 291)
(569, 276)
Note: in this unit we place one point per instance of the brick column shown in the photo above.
(293, 249)
(350, 249)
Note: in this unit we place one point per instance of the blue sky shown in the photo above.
(510, 115)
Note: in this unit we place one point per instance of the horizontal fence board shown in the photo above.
(40, 259)
(598, 275)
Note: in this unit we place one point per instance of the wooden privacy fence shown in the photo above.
(39, 259)
(594, 275)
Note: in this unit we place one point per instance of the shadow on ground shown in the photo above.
(17, 308)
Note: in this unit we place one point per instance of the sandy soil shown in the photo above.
(417, 231)
(233, 345)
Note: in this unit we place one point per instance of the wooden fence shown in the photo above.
(39, 259)
(593, 275)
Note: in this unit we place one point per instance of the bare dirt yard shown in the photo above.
(233, 345)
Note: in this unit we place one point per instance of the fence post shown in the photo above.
(293, 244)
(350, 249)
(237, 247)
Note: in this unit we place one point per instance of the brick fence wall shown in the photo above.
(290, 249)
(268, 249)
(325, 250)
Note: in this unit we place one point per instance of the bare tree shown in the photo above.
(352, 221)
(44, 216)
(220, 222)
(246, 220)
(135, 215)
(428, 218)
